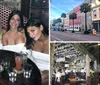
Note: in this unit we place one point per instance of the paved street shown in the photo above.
(68, 36)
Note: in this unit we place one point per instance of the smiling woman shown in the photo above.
(36, 36)
(37, 40)
(14, 34)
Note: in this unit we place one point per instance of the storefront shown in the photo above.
(96, 25)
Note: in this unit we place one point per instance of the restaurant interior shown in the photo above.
(78, 63)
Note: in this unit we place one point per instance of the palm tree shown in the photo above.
(85, 7)
(63, 15)
(73, 16)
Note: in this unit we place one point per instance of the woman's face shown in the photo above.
(35, 32)
(15, 21)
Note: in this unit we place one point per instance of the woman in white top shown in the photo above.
(36, 45)
(14, 40)
(14, 34)
(37, 39)
(37, 36)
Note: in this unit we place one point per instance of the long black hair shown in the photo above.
(37, 23)
(14, 12)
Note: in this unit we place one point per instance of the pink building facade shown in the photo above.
(77, 21)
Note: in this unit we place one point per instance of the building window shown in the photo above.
(94, 14)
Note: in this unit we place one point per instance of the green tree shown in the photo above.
(85, 7)
(63, 15)
(73, 16)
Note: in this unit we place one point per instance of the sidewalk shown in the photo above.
(98, 34)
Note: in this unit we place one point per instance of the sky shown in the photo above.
(57, 7)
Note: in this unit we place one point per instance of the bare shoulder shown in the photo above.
(5, 35)
(5, 38)
(40, 43)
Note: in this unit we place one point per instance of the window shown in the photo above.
(94, 14)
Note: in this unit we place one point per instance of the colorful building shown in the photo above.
(96, 14)
(77, 21)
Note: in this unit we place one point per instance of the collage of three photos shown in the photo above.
(49, 42)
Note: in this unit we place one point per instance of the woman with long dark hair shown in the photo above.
(37, 40)
(37, 36)
(14, 34)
